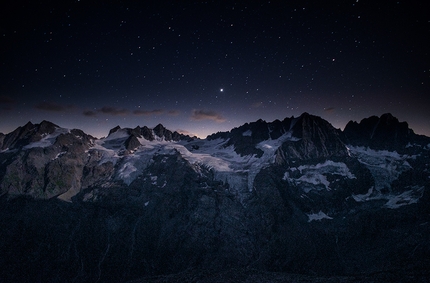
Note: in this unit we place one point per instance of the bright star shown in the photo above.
(221, 89)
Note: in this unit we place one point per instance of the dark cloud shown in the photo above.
(6, 108)
(200, 115)
(141, 112)
(174, 112)
(329, 109)
(89, 113)
(257, 104)
(109, 110)
(52, 106)
(6, 100)
(113, 111)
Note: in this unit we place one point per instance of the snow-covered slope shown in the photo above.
(386, 167)
(227, 165)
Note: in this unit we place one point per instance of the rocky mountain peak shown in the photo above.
(314, 138)
(28, 133)
(147, 133)
(309, 126)
(28, 125)
(161, 132)
(115, 129)
(283, 195)
(308, 132)
(137, 132)
(131, 143)
(385, 132)
(46, 127)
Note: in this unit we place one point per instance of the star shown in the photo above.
(159, 63)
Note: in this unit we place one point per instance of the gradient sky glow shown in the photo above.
(208, 66)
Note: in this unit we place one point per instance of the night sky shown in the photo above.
(205, 66)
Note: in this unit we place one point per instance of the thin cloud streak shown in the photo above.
(154, 112)
(256, 104)
(6, 99)
(52, 106)
(200, 115)
(89, 113)
(113, 111)
(329, 109)
(174, 112)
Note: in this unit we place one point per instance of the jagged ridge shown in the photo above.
(295, 195)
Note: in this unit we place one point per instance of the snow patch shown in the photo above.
(126, 171)
(154, 180)
(405, 198)
(314, 176)
(88, 196)
(247, 133)
(315, 179)
(59, 155)
(385, 166)
(363, 197)
(318, 216)
(394, 201)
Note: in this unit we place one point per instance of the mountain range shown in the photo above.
(264, 200)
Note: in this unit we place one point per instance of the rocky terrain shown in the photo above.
(293, 200)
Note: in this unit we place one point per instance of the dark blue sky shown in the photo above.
(207, 66)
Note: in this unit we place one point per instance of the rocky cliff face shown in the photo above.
(295, 196)
(315, 139)
(383, 133)
(43, 161)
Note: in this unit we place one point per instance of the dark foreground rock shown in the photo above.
(202, 237)
(258, 276)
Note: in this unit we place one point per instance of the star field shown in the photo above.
(206, 66)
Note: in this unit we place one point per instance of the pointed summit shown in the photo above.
(132, 143)
(113, 130)
(162, 132)
(147, 133)
(46, 127)
(314, 138)
(30, 132)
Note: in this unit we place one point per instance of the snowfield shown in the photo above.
(228, 166)
(240, 171)
(315, 176)
(386, 167)
(318, 216)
